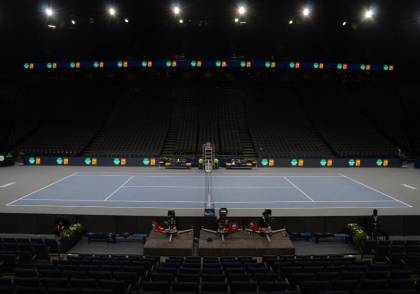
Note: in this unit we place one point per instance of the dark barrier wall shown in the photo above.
(336, 162)
(44, 223)
(263, 162)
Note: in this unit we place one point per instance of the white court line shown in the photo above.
(409, 187)
(103, 206)
(119, 188)
(135, 175)
(171, 187)
(184, 175)
(153, 201)
(86, 176)
(112, 200)
(200, 209)
(53, 183)
(275, 176)
(8, 185)
(373, 189)
(215, 187)
(145, 175)
(299, 189)
(187, 201)
(307, 201)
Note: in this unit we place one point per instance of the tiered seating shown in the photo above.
(69, 122)
(338, 274)
(185, 123)
(17, 118)
(281, 122)
(137, 127)
(80, 274)
(213, 275)
(279, 127)
(230, 118)
(382, 106)
(234, 275)
(18, 250)
(346, 130)
(215, 115)
(398, 252)
(66, 138)
(411, 121)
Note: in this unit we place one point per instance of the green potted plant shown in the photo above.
(70, 236)
(358, 236)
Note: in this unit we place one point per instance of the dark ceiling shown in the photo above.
(209, 30)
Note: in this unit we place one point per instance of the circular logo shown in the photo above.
(31, 160)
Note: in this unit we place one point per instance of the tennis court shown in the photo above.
(234, 190)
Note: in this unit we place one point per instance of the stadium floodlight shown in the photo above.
(306, 11)
(241, 10)
(112, 11)
(51, 26)
(368, 14)
(290, 21)
(73, 22)
(181, 20)
(126, 20)
(49, 12)
(236, 20)
(344, 23)
(176, 10)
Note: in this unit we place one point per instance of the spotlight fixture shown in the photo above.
(73, 22)
(344, 23)
(49, 11)
(112, 11)
(241, 10)
(236, 20)
(306, 11)
(176, 10)
(290, 21)
(181, 20)
(368, 14)
(126, 20)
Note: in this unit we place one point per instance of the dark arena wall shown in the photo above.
(44, 223)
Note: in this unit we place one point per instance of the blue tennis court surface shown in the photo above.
(188, 191)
